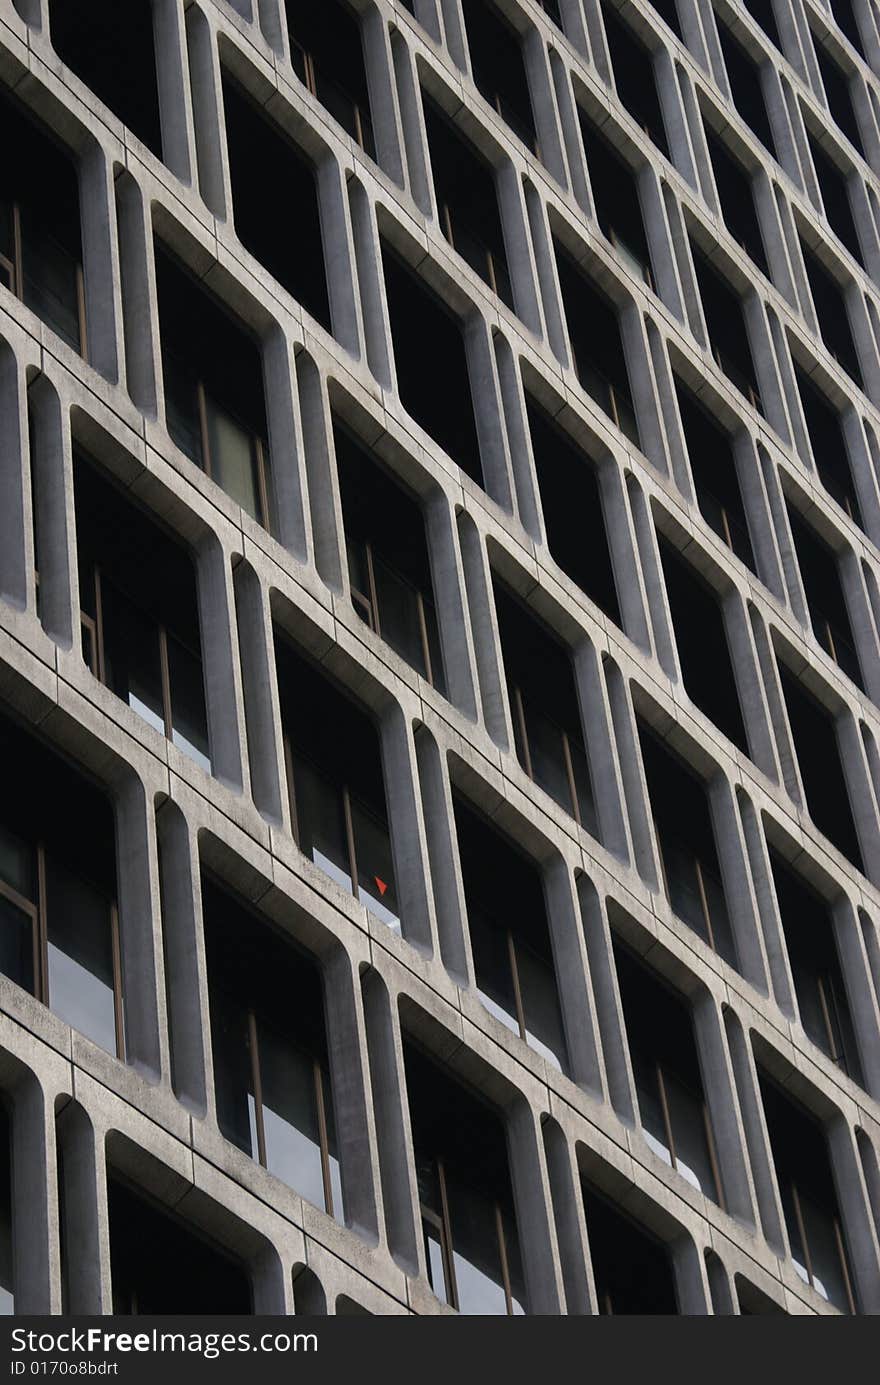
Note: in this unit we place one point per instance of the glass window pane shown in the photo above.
(544, 1031)
(290, 1115)
(16, 863)
(233, 459)
(828, 1277)
(233, 1086)
(49, 279)
(80, 955)
(475, 1251)
(399, 614)
(16, 945)
(683, 886)
(547, 756)
(320, 820)
(491, 952)
(689, 1133)
(332, 1150)
(583, 787)
(650, 1105)
(434, 1258)
(182, 408)
(798, 1255)
(188, 716)
(375, 866)
(131, 656)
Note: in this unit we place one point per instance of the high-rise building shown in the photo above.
(440, 656)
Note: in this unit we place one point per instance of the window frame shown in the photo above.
(574, 808)
(442, 1222)
(258, 450)
(703, 893)
(15, 270)
(368, 603)
(362, 119)
(839, 1243)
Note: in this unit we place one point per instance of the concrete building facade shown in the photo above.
(439, 677)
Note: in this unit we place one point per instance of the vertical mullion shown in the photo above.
(116, 951)
(81, 313)
(323, 1136)
(165, 675)
(705, 903)
(502, 1252)
(203, 429)
(667, 1120)
(826, 1017)
(18, 283)
(291, 787)
(371, 580)
(262, 482)
(517, 991)
(713, 1156)
(42, 916)
(447, 1237)
(841, 1250)
(99, 623)
(802, 1232)
(349, 839)
(519, 709)
(257, 1083)
(569, 772)
(423, 632)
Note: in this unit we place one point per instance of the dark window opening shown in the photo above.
(467, 203)
(745, 88)
(726, 325)
(632, 1268)
(328, 58)
(596, 344)
(829, 301)
(616, 200)
(809, 1199)
(762, 13)
(336, 785)
(7, 1259)
(666, 1070)
(271, 1070)
(737, 199)
(829, 444)
(752, 1303)
(388, 564)
(835, 199)
(289, 246)
(815, 967)
(837, 90)
(713, 466)
(572, 504)
(214, 401)
(60, 934)
(818, 757)
(110, 47)
(667, 10)
(551, 9)
(845, 15)
(499, 68)
(510, 936)
(465, 1192)
(161, 1264)
(40, 246)
(689, 864)
(701, 640)
(634, 77)
(139, 614)
(418, 316)
(825, 598)
(544, 705)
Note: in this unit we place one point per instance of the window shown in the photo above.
(845, 14)
(634, 78)
(160, 1264)
(833, 184)
(837, 91)
(388, 564)
(60, 933)
(815, 967)
(701, 640)
(762, 12)
(825, 599)
(418, 316)
(465, 1194)
(498, 67)
(572, 504)
(545, 711)
(726, 325)
(7, 1260)
(818, 756)
(666, 1070)
(752, 1303)
(335, 784)
(40, 247)
(829, 300)
(271, 1072)
(328, 58)
(686, 841)
(809, 1201)
(551, 9)
(737, 199)
(467, 204)
(631, 1266)
(828, 443)
(139, 612)
(746, 90)
(289, 246)
(668, 10)
(616, 199)
(510, 938)
(111, 48)
(713, 467)
(214, 402)
(596, 344)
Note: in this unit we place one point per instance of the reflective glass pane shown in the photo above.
(828, 1275)
(683, 885)
(80, 955)
(689, 1133)
(50, 280)
(332, 1150)
(16, 863)
(491, 952)
(182, 408)
(290, 1115)
(375, 865)
(233, 459)
(540, 1000)
(131, 656)
(233, 1086)
(189, 720)
(16, 944)
(320, 820)
(434, 1258)
(650, 1105)
(547, 756)
(475, 1251)
(792, 1226)
(399, 614)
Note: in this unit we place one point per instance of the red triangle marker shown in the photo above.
(381, 883)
